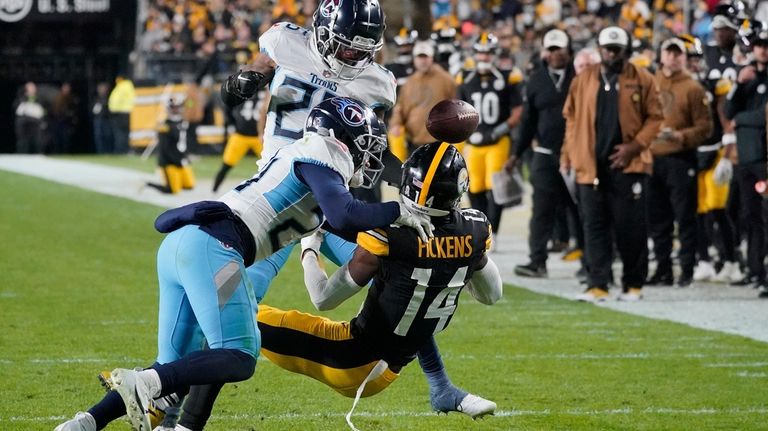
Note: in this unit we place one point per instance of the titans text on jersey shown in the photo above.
(302, 81)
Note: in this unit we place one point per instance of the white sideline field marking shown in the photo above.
(565, 356)
(500, 413)
(738, 365)
(751, 375)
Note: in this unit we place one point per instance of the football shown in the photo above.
(452, 121)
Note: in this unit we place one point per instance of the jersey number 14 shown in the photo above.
(441, 308)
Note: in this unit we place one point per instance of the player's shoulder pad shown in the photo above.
(163, 128)
(391, 87)
(281, 38)
(466, 75)
(481, 222)
(474, 215)
(723, 87)
(325, 151)
(459, 78)
(374, 241)
(515, 76)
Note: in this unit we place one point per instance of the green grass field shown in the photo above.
(204, 166)
(78, 295)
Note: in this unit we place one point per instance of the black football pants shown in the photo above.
(549, 195)
(673, 197)
(615, 208)
(751, 208)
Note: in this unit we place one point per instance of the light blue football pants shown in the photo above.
(205, 296)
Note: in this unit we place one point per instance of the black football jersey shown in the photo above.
(720, 65)
(172, 143)
(415, 292)
(245, 116)
(721, 74)
(401, 72)
(493, 95)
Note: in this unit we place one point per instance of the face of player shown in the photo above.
(725, 37)
(673, 60)
(558, 58)
(483, 61)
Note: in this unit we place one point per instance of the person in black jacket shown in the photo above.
(745, 105)
(543, 120)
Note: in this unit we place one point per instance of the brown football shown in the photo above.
(452, 121)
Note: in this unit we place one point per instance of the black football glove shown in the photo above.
(241, 86)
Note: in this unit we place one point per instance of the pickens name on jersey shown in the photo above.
(446, 247)
(301, 81)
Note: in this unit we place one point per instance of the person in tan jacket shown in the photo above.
(612, 114)
(672, 189)
(428, 85)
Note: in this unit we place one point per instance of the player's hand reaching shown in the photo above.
(312, 243)
(419, 222)
(244, 84)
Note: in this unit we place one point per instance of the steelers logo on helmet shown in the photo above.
(351, 112)
(463, 181)
(434, 179)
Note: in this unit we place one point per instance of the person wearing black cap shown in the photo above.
(543, 119)
(672, 187)
(745, 105)
(612, 114)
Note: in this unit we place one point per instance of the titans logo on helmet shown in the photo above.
(328, 7)
(350, 111)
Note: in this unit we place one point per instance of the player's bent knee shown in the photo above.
(243, 365)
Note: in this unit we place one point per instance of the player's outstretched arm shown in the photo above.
(244, 84)
(485, 284)
(327, 293)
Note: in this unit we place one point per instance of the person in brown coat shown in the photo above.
(429, 84)
(612, 114)
(672, 190)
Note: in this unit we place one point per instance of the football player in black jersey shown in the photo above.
(401, 69)
(172, 151)
(413, 295)
(721, 74)
(497, 97)
(712, 195)
(402, 66)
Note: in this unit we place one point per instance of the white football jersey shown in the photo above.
(275, 205)
(301, 82)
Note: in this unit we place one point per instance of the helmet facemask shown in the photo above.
(346, 59)
(368, 152)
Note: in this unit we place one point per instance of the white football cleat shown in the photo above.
(704, 271)
(81, 422)
(730, 273)
(135, 394)
(476, 407)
